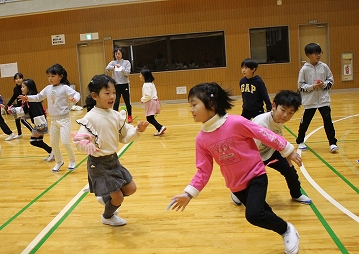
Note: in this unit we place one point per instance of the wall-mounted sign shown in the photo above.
(347, 66)
(58, 39)
(8, 70)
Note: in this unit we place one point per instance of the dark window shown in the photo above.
(270, 45)
(175, 52)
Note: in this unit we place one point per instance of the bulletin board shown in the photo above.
(347, 66)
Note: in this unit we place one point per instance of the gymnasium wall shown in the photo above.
(27, 39)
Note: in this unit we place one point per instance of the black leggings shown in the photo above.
(4, 127)
(39, 142)
(123, 89)
(18, 122)
(258, 212)
(153, 121)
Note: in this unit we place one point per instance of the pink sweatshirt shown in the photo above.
(229, 141)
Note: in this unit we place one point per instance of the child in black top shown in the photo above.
(18, 78)
(254, 91)
(38, 118)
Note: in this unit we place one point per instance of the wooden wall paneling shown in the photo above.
(31, 46)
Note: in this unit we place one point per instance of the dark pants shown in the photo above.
(289, 173)
(4, 127)
(18, 122)
(249, 114)
(327, 120)
(258, 212)
(153, 121)
(124, 90)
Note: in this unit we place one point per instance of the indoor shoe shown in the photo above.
(129, 119)
(302, 146)
(235, 199)
(113, 221)
(57, 167)
(333, 148)
(162, 131)
(72, 165)
(10, 137)
(51, 157)
(291, 240)
(303, 199)
(18, 136)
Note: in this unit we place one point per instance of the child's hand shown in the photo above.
(179, 202)
(2, 106)
(141, 126)
(72, 99)
(318, 84)
(294, 156)
(22, 97)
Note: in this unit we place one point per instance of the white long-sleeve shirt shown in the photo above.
(108, 128)
(57, 99)
(149, 92)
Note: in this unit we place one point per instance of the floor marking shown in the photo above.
(49, 227)
(317, 187)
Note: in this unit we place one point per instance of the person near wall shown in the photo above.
(254, 91)
(121, 70)
(18, 78)
(150, 99)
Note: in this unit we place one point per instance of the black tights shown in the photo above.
(39, 142)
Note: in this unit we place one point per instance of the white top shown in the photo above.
(107, 128)
(266, 120)
(149, 92)
(57, 99)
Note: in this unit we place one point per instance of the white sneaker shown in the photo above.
(235, 199)
(113, 221)
(57, 167)
(162, 130)
(333, 148)
(291, 240)
(100, 200)
(10, 137)
(51, 157)
(72, 165)
(18, 136)
(302, 146)
(303, 199)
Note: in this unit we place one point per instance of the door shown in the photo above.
(317, 33)
(91, 58)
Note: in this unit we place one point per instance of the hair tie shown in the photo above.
(212, 95)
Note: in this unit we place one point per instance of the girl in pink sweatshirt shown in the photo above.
(228, 140)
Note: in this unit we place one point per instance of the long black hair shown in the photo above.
(31, 86)
(212, 96)
(147, 74)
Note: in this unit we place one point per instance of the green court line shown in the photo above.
(37, 198)
(331, 233)
(327, 227)
(329, 166)
(57, 224)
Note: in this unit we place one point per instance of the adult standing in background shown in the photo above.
(121, 70)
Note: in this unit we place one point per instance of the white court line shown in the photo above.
(317, 187)
(49, 226)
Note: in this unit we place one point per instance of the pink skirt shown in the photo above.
(152, 107)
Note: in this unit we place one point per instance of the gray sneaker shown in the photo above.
(10, 137)
(113, 221)
(303, 199)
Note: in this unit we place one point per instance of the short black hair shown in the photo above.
(312, 48)
(288, 98)
(249, 63)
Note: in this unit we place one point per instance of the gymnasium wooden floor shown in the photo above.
(43, 212)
